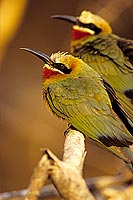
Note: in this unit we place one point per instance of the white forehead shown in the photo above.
(86, 17)
(56, 57)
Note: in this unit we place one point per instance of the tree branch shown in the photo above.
(66, 175)
(74, 149)
(105, 187)
(38, 179)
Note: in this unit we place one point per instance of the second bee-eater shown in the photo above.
(107, 53)
(75, 92)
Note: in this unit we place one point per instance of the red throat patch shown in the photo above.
(77, 34)
(47, 73)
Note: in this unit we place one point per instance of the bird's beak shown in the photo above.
(67, 18)
(45, 58)
(76, 21)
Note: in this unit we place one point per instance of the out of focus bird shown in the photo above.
(75, 92)
(107, 53)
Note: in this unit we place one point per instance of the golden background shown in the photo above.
(25, 124)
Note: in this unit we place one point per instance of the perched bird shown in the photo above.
(107, 53)
(75, 92)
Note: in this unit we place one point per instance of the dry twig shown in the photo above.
(105, 187)
(66, 175)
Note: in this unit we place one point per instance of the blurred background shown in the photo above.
(25, 123)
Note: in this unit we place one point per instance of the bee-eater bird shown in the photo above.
(107, 53)
(75, 92)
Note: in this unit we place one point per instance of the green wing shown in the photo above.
(112, 57)
(126, 47)
(86, 106)
(117, 108)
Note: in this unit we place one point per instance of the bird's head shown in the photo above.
(59, 65)
(86, 24)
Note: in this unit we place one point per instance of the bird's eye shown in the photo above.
(62, 68)
(90, 26)
(93, 27)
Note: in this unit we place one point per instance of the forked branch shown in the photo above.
(66, 175)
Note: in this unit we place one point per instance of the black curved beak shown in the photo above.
(67, 18)
(75, 21)
(45, 58)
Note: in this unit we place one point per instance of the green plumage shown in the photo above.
(82, 101)
(112, 57)
(76, 93)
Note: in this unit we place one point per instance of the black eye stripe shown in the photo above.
(91, 26)
(62, 68)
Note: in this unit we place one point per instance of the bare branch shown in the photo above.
(101, 187)
(74, 149)
(66, 175)
(38, 179)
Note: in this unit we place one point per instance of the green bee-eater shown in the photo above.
(107, 53)
(75, 92)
